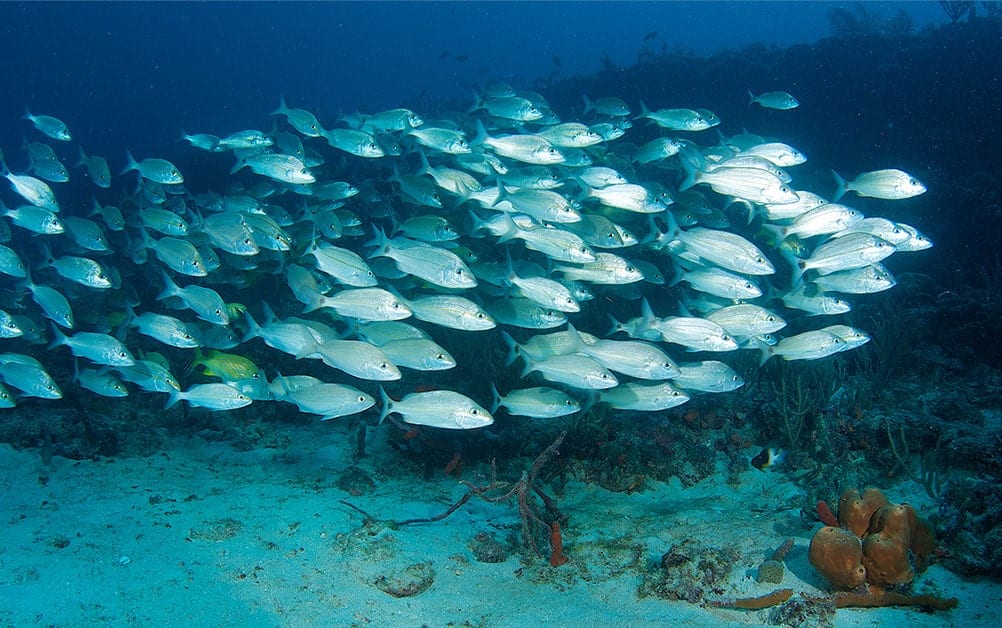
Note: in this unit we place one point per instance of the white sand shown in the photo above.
(284, 552)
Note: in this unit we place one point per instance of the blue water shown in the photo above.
(876, 91)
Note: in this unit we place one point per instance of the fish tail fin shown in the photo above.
(496, 400)
(530, 365)
(173, 396)
(644, 111)
(27, 114)
(425, 167)
(379, 241)
(751, 98)
(58, 337)
(282, 107)
(239, 165)
(83, 157)
(268, 312)
(130, 163)
(170, 288)
(253, 329)
(514, 351)
(387, 404)
(616, 325)
(841, 187)
(478, 102)
(690, 173)
(319, 301)
(481, 135)
(589, 105)
(502, 192)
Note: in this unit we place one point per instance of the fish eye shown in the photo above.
(384, 366)
(480, 315)
(771, 319)
(361, 398)
(759, 260)
(439, 357)
(474, 412)
(725, 337)
(631, 269)
(604, 376)
(749, 285)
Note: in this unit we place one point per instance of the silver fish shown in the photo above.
(644, 397)
(216, 397)
(890, 184)
(27, 375)
(50, 126)
(156, 170)
(540, 402)
(774, 100)
(707, 376)
(330, 401)
(97, 347)
(437, 408)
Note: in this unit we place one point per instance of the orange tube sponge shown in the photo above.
(837, 555)
(855, 510)
(879, 543)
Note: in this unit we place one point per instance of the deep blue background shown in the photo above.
(135, 74)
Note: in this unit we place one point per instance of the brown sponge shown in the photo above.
(837, 555)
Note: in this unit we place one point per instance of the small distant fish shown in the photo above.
(768, 458)
(774, 100)
(97, 169)
(158, 170)
(462, 58)
(50, 126)
(651, 35)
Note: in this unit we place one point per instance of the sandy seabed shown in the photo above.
(204, 535)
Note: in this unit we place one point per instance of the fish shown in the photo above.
(27, 374)
(367, 304)
(154, 169)
(49, 126)
(165, 329)
(100, 382)
(36, 219)
(576, 371)
(215, 397)
(889, 184)
(358, 359)
(35, 191)
(607, 106)
(589, 222)
(644, 397)
(768, 458)
(677, 119)
(710, 376)
(329, 400)
(97, 347)
(540, 402)
(284, 168)
(300, 119)
(445, 409)
(97, 169)
(780, 100)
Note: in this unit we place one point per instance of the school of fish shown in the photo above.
(374, 234)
